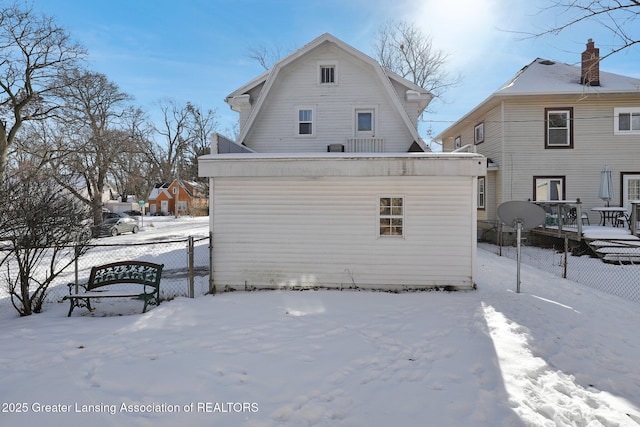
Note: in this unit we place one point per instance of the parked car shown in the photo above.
(132, 213)
(109, 214)
(115, 226)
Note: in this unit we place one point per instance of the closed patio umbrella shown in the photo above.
(606, 185)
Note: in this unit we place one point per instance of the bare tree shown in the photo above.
(35, 51)
(618, 17)
(267, 56)
(46, 230)
(94, 136)
(202, 125)
(132, 171)
(401, 47)
(184, 135)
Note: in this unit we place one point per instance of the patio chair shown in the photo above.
(572, 217)
(623, 218)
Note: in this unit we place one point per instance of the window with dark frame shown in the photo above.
(391, 216)
(478, 133)
(457, 142)
(481, 192)
(547, 188)
(558, 127)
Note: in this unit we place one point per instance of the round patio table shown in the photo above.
(609, 213)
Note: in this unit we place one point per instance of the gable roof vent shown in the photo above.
(546, 62)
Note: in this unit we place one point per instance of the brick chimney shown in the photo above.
(590, 75)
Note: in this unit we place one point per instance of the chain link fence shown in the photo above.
(577, 262)
(185, 273)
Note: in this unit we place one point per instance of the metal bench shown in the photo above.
(145, 274)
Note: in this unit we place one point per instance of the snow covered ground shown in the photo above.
(556, 354)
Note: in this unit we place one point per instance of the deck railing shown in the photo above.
(364, 145)
(558, 216)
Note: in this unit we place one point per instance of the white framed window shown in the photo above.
(548, 188)
(481, 192)
(328, 72)
(365, 122)
(391, 216)
(305, 125)
(626, 121)
(558, 127)
(478, 133)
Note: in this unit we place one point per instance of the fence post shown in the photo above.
(190, 252)
(579, 218)
(76, 250)
(566, 250)
(212, 286)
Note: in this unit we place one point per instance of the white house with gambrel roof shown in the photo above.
(549, 131)
(329, 94)
(329, 184)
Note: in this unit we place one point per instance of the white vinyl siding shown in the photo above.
(297, 85)
(306, 232)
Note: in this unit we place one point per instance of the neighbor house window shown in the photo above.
(558, 128)
(626, 121)
(478, 133)
(481, 192)
(457, 142)
(391, 216)
(548, 188)
(305, 121)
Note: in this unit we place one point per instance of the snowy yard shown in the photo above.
(557, 354)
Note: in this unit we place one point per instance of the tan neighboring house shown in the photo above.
(548, 132)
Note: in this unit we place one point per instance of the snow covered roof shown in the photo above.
(544, 77)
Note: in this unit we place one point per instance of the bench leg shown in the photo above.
(71, 306)
(77, 302)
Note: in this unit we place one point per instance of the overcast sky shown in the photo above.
(196, 50)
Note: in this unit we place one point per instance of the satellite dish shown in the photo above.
(521, 216)
(526, 213)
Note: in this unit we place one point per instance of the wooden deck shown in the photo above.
(611, 244)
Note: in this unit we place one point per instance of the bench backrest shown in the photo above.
(144, 273)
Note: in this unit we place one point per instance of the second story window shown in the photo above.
(478, 133)
(559, 128)
(626, 121)
(305, 121)
(365, 125)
